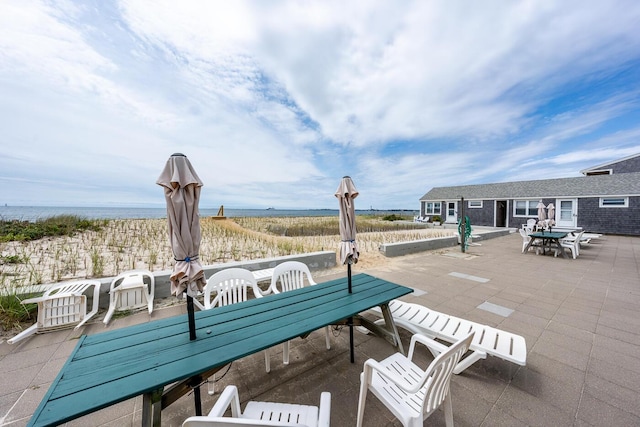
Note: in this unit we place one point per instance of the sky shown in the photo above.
(274, 102)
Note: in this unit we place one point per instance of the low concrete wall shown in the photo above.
(415, 246)
(314, 260)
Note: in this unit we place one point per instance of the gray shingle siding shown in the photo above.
(609, 220)
(480, 216)
(627, 166)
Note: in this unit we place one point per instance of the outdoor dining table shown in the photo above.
(114, 366)
(548, 238)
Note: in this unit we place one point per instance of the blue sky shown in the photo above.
(273, 102)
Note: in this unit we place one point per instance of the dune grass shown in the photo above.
(108, 247)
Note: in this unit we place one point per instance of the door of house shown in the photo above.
(452, 212)
(567, 213)
(501, 213)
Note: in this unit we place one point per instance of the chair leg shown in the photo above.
(285, 353)
(267, 361)
(469, 360)
(24, 334)
(361, 402)
(107, 317)
(448, 410)
(326, 335)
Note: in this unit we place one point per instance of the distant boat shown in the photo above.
(270, 209)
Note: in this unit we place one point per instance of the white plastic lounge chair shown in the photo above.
(257, 414)
(411, 393)
(62, 306)
(130, 291)
(288, 276)
(419, 319)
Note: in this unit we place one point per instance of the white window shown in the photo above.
(433, 208)
(475, 204)
(614, 202)
(525, 208)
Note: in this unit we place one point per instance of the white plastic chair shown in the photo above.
(525, 241)
(62, 306)
(226, 287)
(572, 244)
(229, 286)
(288, 276)
(408, 391)
(257, 414)
(130, 291)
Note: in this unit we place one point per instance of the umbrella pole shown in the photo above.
(192, 320)
(198, 402)
(350, 318)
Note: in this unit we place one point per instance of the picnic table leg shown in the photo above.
(391, 326)
(559, 248)
(152, 408)
(528, 245)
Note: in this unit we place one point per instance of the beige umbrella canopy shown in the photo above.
(541, 212)
(345, 193)
(551, 211)
(182, 192)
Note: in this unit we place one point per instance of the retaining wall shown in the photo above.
(415, 246)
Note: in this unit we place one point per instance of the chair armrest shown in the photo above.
(324, 416)
(434, 346)
(257, 292)
(373, 365)
(51, 297)
(125, 286)
(228, 399)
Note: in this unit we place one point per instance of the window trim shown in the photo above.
(478, 204)
(433, 208)
(624, 199)
(529, 208)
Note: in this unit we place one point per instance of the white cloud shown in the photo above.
(272, 100)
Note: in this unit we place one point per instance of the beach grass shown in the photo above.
(119, 245)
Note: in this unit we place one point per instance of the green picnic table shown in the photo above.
(114, 366)
(548, 238)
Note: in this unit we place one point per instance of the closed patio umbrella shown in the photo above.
(541, 211)
(551, 213)
(346, 193)
(182, 192)
(182, 187)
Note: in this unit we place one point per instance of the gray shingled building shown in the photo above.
(605, 200)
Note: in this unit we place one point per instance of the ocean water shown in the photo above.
(35, 213)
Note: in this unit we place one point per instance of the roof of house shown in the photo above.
(613, 162)
(624, 184)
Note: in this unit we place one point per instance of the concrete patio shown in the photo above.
(579, 317)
